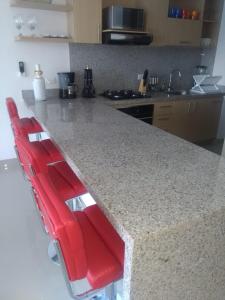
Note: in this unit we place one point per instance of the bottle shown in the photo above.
(39, 84)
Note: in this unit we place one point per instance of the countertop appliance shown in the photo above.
(67, 86)
(123, 18)
(88, 90)
(141, 112)
(123, 25)
(124, 95)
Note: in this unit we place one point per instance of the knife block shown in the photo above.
(142, 87)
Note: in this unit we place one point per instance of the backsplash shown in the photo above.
(117, 67)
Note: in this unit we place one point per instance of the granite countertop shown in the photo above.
(144, 179)
(163, 97)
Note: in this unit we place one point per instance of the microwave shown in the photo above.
(123, 18)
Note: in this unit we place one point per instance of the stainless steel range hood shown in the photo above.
(120, 37)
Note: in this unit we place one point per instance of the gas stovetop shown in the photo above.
(124, 95)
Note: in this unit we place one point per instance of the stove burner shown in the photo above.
(124, 95)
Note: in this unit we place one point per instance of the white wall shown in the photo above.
(52, 57)
(219, 69)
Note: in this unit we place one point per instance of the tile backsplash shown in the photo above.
(117, 67)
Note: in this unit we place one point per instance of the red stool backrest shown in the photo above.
(12, 108)
(18, 129)
(63, 227)
(31, 153)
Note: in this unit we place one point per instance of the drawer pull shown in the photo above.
(189, 108)
(166, 106)
(163, 119)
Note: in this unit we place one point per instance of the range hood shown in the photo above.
(119, 37)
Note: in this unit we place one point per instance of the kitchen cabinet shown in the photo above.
(156, 13)
(183, 32)
(195, 120)
(172, 31)
(212, 20)
(85, 22)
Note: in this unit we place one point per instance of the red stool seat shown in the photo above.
(106, 231)
(26, 126)
(29, 125)
(85, 252)
(37, 154)
(103, 266)
(61, 178)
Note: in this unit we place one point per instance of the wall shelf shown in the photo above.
(209, 21)
(42, 39)
(184, 20)
(41, 6)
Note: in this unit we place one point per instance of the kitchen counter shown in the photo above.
(163, 97)
(164, 196)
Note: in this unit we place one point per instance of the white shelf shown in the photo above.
(41, 6)
(42, 39)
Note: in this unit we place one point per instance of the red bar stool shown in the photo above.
(35, 156)
(29, 125)
(44, 157)
(89, 250)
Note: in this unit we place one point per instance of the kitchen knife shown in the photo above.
(145, 77)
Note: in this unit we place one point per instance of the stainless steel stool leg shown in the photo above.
(110, 292)
(52, 253)
(38, 211)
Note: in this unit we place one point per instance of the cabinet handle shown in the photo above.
(99, 33)
(163, 119)
(189, 108)
(166, 106)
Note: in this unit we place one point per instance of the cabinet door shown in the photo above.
(155, 18)
(87, 21)
(195, 120)
(165, 123)
(207, 117)
(164, 109)
(183, 32)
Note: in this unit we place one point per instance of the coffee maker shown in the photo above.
(88, 90)
(67, 86)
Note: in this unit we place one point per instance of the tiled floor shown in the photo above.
(25, 269)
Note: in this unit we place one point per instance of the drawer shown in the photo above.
(163, 122)
(161, 109)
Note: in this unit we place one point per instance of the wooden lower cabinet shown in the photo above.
(195, 120)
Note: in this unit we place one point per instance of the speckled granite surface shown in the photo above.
(165, 197)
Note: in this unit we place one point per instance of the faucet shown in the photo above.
(170, 88)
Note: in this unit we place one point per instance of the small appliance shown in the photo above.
(123, 18)
(124, 26)
(88, 90)
(67, 86)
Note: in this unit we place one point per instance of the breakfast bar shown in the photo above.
(163, 195)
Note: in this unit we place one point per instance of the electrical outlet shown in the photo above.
(140, 76)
